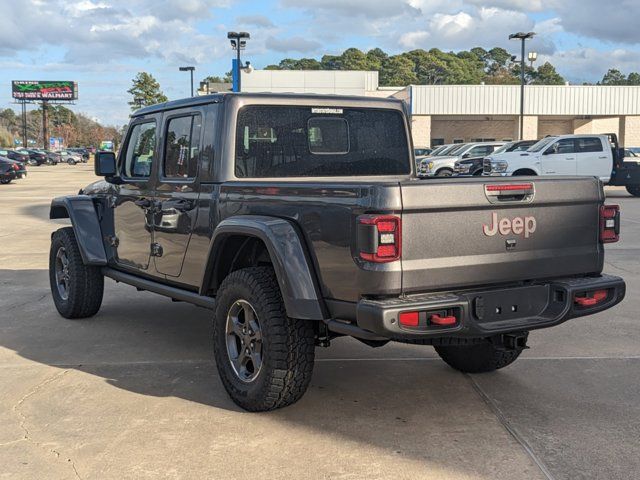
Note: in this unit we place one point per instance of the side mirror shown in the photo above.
(105, 164)
(466, 155)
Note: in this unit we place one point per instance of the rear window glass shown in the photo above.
(589, 145)
(273, 141)
(182, 147)
(328, 135)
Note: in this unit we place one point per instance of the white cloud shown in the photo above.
(615, 20)
(589, 65)
(255, 20)
(293, 44)
(515, 5)
(414, 39)
(108, 30)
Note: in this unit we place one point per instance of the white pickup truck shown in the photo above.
(590, 155)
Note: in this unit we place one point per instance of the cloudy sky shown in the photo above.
(102, 44)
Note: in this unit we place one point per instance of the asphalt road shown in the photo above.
(133, 392)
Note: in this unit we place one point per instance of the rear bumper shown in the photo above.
(484, 313)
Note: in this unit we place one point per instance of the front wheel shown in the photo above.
(477, 358)
(444, 172)
(5, 181)
(633, 190)
(71, 161)
(76, 288)
(265, 359)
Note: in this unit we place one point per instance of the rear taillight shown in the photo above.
(590, 299)
(609, 223)
(426, 320)
(16, 167)
(379, 238)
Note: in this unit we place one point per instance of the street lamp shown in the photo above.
(523, 38)
(238, 42)
(189, 69)
(533, 56)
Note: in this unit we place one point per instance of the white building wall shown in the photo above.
(336, 82)
(539, 100)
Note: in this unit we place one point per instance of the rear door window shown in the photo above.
(589, 144)
(282, 141)
(182, 147)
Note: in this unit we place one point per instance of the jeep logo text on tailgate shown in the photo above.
(518, 226)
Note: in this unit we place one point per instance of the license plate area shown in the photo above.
(509, 304)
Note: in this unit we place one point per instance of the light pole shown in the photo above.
(190, 70)
(238, 42)
(523, 38)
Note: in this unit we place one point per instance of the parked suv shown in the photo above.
(473, 166)
(297, 219)
(443, 166)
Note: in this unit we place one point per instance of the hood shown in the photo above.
(99, 186)
(512, 155)
(439, 160)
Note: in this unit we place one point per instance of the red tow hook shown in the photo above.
(436, 319)
(597, 297)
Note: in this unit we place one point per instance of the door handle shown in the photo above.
(143, 203)
(181, 205)
(602, 158)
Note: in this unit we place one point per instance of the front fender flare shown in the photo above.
(290, 261)
(84, 220)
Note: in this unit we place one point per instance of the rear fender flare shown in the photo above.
(86, 226)
(288, 256)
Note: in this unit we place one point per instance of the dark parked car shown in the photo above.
(20, 167)
(36, 157)
(8, 169)
(297, 219)
(53, 158)
(16, 155)
(473, 166)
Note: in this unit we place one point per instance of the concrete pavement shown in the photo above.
(134, 393)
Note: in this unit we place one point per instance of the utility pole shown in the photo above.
(522, 37)
(24, 124)
(45, 121)
(238, 42)
(190, 70)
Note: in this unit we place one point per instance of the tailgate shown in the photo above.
(465, 232)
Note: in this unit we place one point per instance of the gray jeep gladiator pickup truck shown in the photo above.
(299, 218)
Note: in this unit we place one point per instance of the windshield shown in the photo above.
(503, 148)
(536, 147)
(448, 149)
(457, 148)
(437, 151)
(282, 141)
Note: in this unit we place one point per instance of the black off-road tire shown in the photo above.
(5, 181)
(478, 358)
(85, 283)
(288, 345)
(444, 172)
(633, 190)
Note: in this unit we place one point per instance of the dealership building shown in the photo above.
(464, 113)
